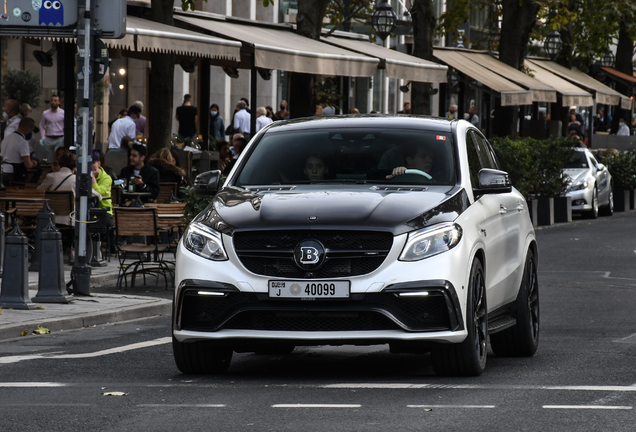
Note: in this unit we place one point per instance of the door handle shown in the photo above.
(502, 209)
(520, 207)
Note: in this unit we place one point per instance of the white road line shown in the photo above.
(16, 359)
(31, 384)
(631, 388)
(316, 406)
(450, 406)
(595, 407)
(181, 406)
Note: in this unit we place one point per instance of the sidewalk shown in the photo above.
(99, 308)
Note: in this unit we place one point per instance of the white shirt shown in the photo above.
(242, 120)
(14, 147)
(262, 121)
(623, 130)
(121, 128)
(12, 125)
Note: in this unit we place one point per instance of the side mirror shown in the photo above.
(493, 181)
(207, 183)
(600, 167)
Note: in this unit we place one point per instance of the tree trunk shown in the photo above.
(161, 84)
(302, 101)
(424, 21)
(519, 17)
(567, 51)
(624, 52)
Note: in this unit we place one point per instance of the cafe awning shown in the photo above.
(619, 75)
(570, 94)
(511, 94)
(603, 94)
(282, 49)
(397, 64)
(149, 36)
(541, 92)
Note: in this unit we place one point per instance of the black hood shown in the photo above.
(236, 209)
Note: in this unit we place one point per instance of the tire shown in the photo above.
(467, 358)
(200, 357)
(522, 339)
(593, 214)
(608, 210)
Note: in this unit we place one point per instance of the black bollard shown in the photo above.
(45, 216)
(51, 284)
(15, 283)
(1, 242)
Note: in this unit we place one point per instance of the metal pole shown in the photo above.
(253, 99)
(81, 272)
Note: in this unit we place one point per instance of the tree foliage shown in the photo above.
(23, 86)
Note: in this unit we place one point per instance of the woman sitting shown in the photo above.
(168, 170)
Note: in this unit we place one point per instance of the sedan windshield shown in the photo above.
(578, 160)
(411, 157)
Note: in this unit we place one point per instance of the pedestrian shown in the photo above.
(52, 127)
(283, 113)
(247, 104)
(600, 121)
(15, 152)
(10, 112)
(472, 117)
(261, 118)
(187, 118)
(579, 118)
(623, 129)
(575, 125)
(406, 108)
(270, 112)
(217, 125)
(121, 114)
(144, 176)
(141, 121)
(452, 112)
(331, 109)
(242, 120)
(124, 127)
(238, 145)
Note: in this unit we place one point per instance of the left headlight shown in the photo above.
(205, 242)
(431, 241)
(581, 184)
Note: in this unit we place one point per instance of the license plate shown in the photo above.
(303, 289)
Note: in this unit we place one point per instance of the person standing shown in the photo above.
(217, 125)
(452, 112)
(623, 129)
(261, 118)
(15, 152)
(472, 117)
(10, 112)
(124, 126)
(242, 120)
(187, 118)
(52, 127)
(283, 113)
(141, 121)
(146, 177)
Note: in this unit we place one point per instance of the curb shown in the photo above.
(155, 307)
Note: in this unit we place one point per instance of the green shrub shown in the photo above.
(23, 86)
(195, 203)
(622, 167)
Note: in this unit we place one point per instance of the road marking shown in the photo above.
(316, 406)
(16, 359)
(450, 406)
(587, 407)
(631, 388)
(32, 384)
(181, 406)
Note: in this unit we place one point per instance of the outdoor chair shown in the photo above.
(170, 223)
(25, 211)
(165, 190)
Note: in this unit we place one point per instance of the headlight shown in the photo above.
(431, 241)
(581, 184)
(205, 242)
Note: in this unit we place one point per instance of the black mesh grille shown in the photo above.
(310, 321)
(349, 253)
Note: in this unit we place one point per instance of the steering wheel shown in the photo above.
(418, 172)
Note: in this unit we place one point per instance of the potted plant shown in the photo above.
(622, 167)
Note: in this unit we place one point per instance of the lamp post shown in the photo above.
(383, 20)
(553, 44)
(608, 59)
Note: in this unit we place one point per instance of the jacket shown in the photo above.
(168, 172)
(149, 176)
(103, 185)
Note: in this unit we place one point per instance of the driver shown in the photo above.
(315, 168)
(416, 157)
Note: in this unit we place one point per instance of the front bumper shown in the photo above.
(581, 199)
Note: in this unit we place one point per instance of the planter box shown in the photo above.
(631, 199)
(562, 209)
(621, 200)
(532, 211)
(545, 211)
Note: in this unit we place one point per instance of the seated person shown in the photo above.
(315, 168)
(145, 177)
(416, 157)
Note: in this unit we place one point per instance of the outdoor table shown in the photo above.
(136, 194)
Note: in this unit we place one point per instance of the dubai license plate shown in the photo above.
(309, 290)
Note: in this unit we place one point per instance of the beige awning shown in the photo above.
(149, 36)
(541, 92)
(571, 94)
(397, 65)
(603, 94)
(285, 50)
(511, 94)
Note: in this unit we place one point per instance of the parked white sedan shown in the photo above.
(590, 185)
(359, 230)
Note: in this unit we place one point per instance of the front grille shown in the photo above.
(376, 311)
(348, 253)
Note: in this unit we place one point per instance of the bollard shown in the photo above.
(51, 285)
(1, 242)
(45, 216)
(15, 283)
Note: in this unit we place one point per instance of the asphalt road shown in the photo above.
(583, 377)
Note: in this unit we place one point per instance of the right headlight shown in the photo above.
(205, 242)
(581, 184)
(431, 241)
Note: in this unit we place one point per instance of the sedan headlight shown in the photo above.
(205, 242)
(581, 184)
(431, 241)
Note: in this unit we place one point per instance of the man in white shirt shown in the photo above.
(623, 129)
(125, 126)
(472, 117)
(242, 119)
(10, 111)
(15, 152)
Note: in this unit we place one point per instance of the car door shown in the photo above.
(602, 180)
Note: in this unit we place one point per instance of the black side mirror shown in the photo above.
(207, 183)
(493, 181)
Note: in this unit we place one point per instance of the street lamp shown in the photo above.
(608, 59)
(553, 44)
(383, 20)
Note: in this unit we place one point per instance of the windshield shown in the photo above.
(578, 160)
(411, 157)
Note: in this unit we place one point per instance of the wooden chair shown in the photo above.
(165, 189)
(139, 222)
(169, 216)
(115, 194)
(26, 211)
(62, 203)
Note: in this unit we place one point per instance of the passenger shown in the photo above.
(416, 157)
(315, 168)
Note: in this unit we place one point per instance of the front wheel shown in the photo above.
(608, 210)
(467, 358)
(593, 214)
(200, 357)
